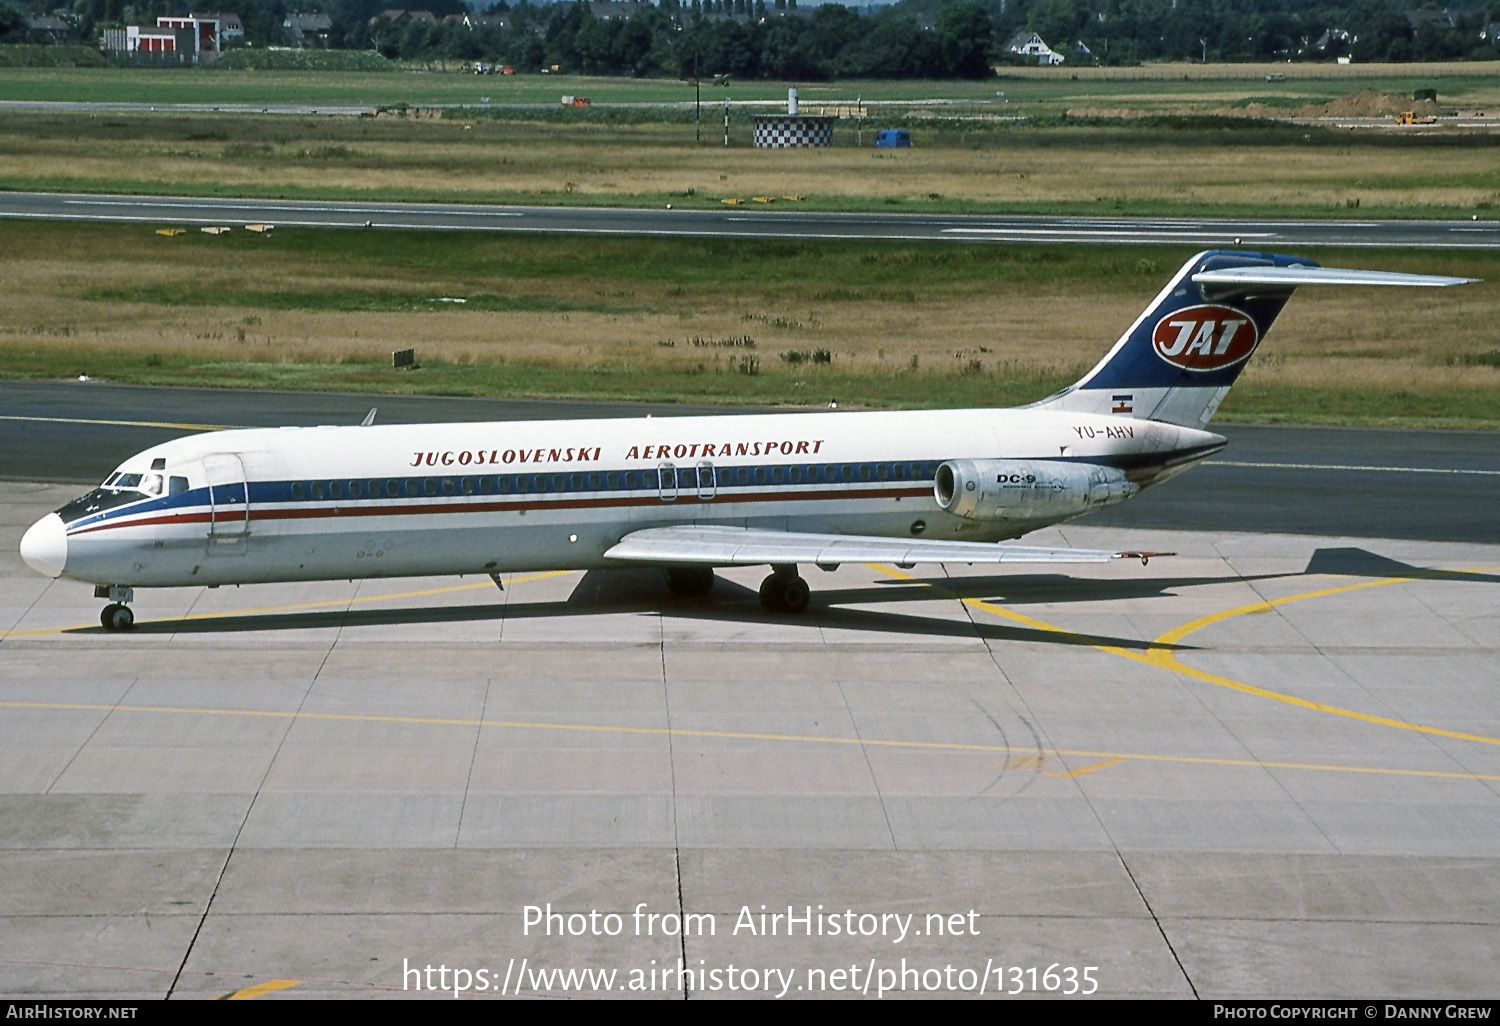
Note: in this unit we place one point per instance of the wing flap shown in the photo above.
(736, 546)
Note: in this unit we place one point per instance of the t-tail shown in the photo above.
(1176, 362)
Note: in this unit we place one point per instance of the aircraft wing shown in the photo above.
(739, 546)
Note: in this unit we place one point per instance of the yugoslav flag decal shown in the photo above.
(1205, 338)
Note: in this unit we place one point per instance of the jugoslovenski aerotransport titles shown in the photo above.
(686, 494)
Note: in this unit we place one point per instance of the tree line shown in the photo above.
(907, 39)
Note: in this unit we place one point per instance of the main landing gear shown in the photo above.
(784, 591)
(117, 615)
(689, 581)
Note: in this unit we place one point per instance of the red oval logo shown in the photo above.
(1205, 338)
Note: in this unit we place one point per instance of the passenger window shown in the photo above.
(449, 486)
(795, 475)
(317, 489)
(486, 485)
(760, 475)
(354, 490)
(468, 485)
(743, 475)
(864, 472)
(297, 490)
(392, 488)
(776, 475)
(882, 471)
(503, 484)
(613, 479)
(429, 486)
(900, 474)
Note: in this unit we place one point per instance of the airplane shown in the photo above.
(688, 495)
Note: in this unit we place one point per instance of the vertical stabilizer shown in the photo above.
(1176, 362)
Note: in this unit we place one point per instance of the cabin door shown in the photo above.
(229, 504)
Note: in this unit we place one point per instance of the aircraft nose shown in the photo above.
(45, 546)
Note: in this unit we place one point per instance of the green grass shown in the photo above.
(1362, 407)
(237, 85)
(122, 304)
(776, 384)
(1025, 92)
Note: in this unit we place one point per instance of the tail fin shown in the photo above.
(1177, 361)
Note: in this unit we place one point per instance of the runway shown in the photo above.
(736, 222)
(1268, 767)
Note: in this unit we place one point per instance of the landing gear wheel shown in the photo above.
(116, 617)
(691, 581)
(784, 593)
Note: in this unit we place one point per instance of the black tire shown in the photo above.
(770, 594)
(116, 617)
(794, 595)
(784, 593)
(691, 581)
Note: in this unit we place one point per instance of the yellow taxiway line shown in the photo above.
(1162, 657)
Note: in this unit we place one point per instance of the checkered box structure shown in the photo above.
(783, 131)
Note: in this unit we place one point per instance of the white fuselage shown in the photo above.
(330, 503)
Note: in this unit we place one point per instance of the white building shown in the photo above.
(1029, 44)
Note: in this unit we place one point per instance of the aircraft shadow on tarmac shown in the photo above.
(643, 591)
(1352, 562)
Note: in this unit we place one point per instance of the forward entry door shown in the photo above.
(229, 504)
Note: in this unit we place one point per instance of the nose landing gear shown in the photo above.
(117, 615)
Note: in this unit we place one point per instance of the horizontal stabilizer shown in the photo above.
(1310, 275)
(737, 546)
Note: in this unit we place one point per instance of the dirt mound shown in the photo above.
(1364, 103)
(1106, 112)
(1367, 103)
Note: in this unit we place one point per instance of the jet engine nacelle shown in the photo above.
(1027, 489)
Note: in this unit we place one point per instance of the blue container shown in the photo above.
(890, 138)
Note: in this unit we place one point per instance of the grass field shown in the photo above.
(866, 324)
(719, 321)
(1187, 171)
(974, 151)
(1026, 90)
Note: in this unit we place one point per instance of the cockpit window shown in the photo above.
(97, 501)
(121, 489)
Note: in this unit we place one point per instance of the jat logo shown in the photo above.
(1205, 338)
